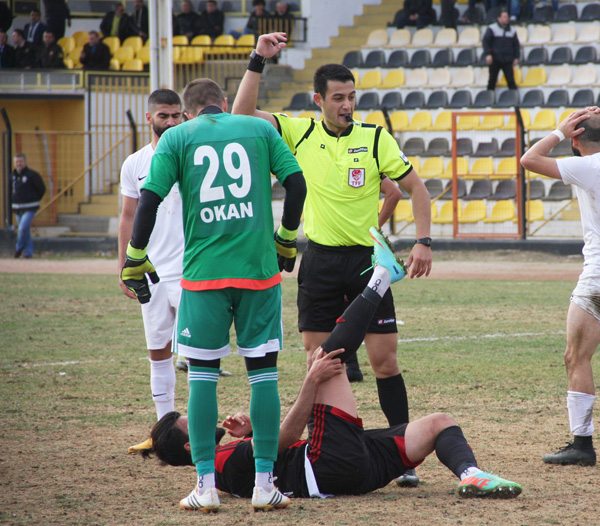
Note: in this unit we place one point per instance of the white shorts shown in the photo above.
(160, 313)
(587, 292)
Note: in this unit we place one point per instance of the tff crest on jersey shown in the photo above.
(356, 177)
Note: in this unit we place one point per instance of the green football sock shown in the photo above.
(202, 415)
(265, 411)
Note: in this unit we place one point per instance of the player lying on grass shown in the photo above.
(339, 457)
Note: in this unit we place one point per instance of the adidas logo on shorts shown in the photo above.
(185, 332)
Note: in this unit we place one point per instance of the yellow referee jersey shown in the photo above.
(343, 177)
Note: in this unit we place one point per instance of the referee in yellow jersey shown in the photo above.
(344, 162)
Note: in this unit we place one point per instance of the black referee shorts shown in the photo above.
(328, 279)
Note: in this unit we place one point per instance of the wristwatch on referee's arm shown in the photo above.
(423, 241)
(257, 62)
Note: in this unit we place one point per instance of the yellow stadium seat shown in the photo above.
(539, 35)
(445, 37)
(560, 76)
(394, 79)
(439, 78)
(422, 38)
(416, 78)
(443, 121)
(147, 43)
(511, 123)
(190, 55)
(518, 78)
(74, 56)
(180, 40)
(399, 120)
(474, 212)
(503, 211)
(491, 122)
(357, 116)
(432, 167)
(113, 44)
(69, 64)
(356, 74)
(565, 114)
(205, 40)
(534, 77)
(123, 54)
(507, 168)
(245, 44)
(176, 55)
(144, 55)
(415, 162)
(114, 65)
(467, 122)
(544, 120)
(481, 169)
(136, 43)
(403, 211)
(534, 211)
(81, 38)
(376, 39)
(307, 115)
(399, 39)
(462, 168)
(135, 64)
(469, 37)
(421, 121)
(222, 44)
(376, 117)
(446, 213)
(67, 44)
(371, 79)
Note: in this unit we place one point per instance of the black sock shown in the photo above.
(352, 361)
(393, 399)
(454, 452)
(581, 442)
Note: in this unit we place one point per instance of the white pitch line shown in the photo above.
(483, 336)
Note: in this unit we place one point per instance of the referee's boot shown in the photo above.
(580, 452)
(408, 480)
(384, 256)
(353, 369)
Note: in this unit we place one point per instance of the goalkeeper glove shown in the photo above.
(137, 265)
(286, 248)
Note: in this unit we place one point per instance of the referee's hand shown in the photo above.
(270, 44)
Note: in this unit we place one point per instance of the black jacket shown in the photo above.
(186, 24)
(126, 26)
(501, 42)
(418, 7)
(38, 34)
(140, 20)
(95, 58)
(51, 57)
(28, 188)
(7, 56)
(211, 23)
(25, 56)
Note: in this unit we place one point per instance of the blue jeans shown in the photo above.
(24, 240)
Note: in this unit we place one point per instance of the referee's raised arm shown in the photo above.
(247, 95)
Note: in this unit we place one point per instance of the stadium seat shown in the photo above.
(446, 213)
(462, 78)
(394, 79)
(180, 40)
(443, 121)
(481, 189)
(445, 38)
(506, 189)
(135, 64)
(511, 123)
(439, 78)
(585, 55)
(416, 79)
(398, 59)
(123, 54)
(501, 212)
(67, 44)
(540, 35)
(357, 116)
(368, 101)
(81, 38)
(534, 210)
(562, 149)
(461, 189)
(469, 37)
(376, 39)
(135, 42)
(144, 55)
(442, 58)
(484, 99)
(461, 99)
(464, 146)
(113, 43)
(588, 34)
(421, 121)
(414, 99)
(392, 100)
(584, 76)
(466, 57)
(544, 120)
(558, 98)
(473, 212)
(467, 122)
(583, 98)
(432, 167)
(223, 45)
(462, 167)
(518, 74)
(486, 148)
(413, 146)
(534, 77)
(421, 58)
(372, 79)
(559, 191)
(435, 187)
(561, 55)
(375, 59)
(356, 74)
(177, 54)
(522, 34)
(565, 114)
(507, 148)
(114, 65)
(508, 168)
(244, 44)
(536, 189)
(590, 12)
(481, 79)
(438, 147)
(399, 39)
(376, 117)
(437, 99)
(564, 35)
(481, 169)
(403, 212)
(353, 59)
(542, 15)
(74, 56)
(415, 162)
(300, 101)
(69, 64)
(491, 122)
(566, 13)
(533, 98)
(560, 76)
(422, 38)
(400, 121)
(508, 99)
(205, 40)
(189, 55)
(536, 57)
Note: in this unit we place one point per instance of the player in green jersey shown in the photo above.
(222, 164)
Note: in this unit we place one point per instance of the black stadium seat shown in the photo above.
(461, 99)
(558, 98)
(353, 59)
(299, 102)
(392, 100)
(434, 186)
(561, 55)
(585, 55)
(508, 99)
(583, 98)
(398, 59)
(420, 59)
(542, 15)
(562, 149)
(506, 189)
(466, 57)
(414, 99)
(537, 189)
(413, 146)
(461, 189)
(438, 147)
(464, 147)
(437, 99)
(536, 57)
(481, 189)
(558, 192)
(590, 13)
(566, 13)
(442, 59)
(508, 148)
(368, 101)
(375, 59)
(484, 99)
(486, 149)
(533, 98)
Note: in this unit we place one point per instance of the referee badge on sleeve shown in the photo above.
(356, 177)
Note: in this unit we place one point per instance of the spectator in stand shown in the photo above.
(34, 31)
(448, 16)
(187, 22)
(6, 17)
(282, 20)
(418, 13)
(95, 54)
(58, 16)
(51, 55)
(7, 53)
(470, 15)
(501, 48)
(117, 23)
(257, 21)
(140, 19)
(211, 20)
(25, 52)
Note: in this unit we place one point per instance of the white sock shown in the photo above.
(206, 482)
(264, 480)
(580, 407)
(473, 471)
(380, 280)
(162, 383)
